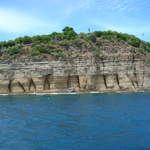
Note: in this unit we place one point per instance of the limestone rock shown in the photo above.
(84, 75)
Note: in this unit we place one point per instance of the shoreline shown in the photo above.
(72, 93)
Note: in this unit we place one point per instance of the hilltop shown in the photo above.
(69, 44)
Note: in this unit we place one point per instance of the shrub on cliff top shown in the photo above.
(98, 33)
(134, 42)
(35, 52)
(37, 49)
(92, 38)
(14, 50)
(24, 40)
(69, 33)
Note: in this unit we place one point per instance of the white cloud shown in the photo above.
(72, 6)
(131, 29)
(122, 5)
(12, 21)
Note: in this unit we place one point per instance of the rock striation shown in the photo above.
(84, 74)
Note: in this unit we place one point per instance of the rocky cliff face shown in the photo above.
(85, 74)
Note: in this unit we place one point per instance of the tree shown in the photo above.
(69, 33)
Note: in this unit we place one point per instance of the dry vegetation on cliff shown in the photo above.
(69, 44)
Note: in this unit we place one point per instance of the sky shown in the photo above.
(34, 17)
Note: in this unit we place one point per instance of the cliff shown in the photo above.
(112, 73)
(99, 61)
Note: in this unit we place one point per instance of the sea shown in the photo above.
(75, 122)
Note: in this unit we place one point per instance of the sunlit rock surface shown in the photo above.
(84, 74)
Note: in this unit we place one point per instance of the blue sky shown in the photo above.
(33, 17)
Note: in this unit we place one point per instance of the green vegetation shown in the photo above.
(130, 39)
(24, 40)
(69, 33)
(147, 63)
(92, 38)
(13, 50)
(68, 41)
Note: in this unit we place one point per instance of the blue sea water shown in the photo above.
(75, 122)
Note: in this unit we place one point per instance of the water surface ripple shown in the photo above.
(75, 122)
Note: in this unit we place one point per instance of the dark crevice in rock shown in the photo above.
(22, 87)
(86, 84)
(136, 80)
(73, 79)
(118, 82)
(135, 77)
(133, 59)
(78, 81)
(10, 86)
(131, 81)
(105, 83)
(32, 84)
(46, 84)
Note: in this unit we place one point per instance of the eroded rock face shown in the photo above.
(115, 73)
